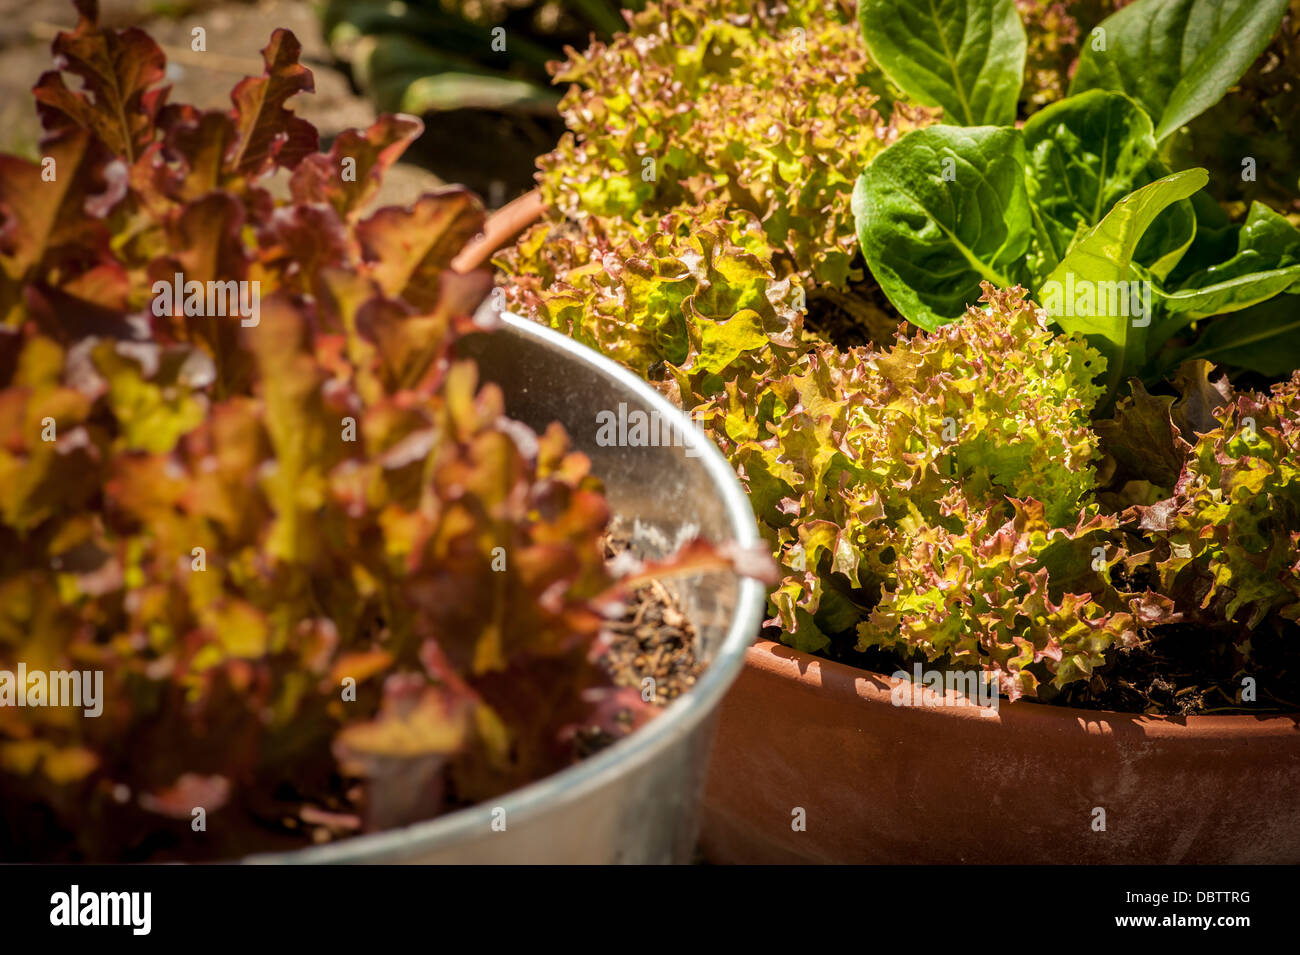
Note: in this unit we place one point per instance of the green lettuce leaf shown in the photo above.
(1177, 57)
(967, 56)
(940, 211)
(1267, 263)
(1086, 153)
(1264, 338)
(1102, 259)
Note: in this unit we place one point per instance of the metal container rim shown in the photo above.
(677, 720)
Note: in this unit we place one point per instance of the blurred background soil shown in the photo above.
(490, 152)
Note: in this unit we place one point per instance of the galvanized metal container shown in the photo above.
(637, 801)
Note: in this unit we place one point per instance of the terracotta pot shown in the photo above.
(947, 784)
(502, 227)
(957, 783)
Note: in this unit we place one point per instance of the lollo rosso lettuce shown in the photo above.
(1225, 528)
(693, 306)
(760, 104)
(1053, 31)
(968, 494)
(327, 585)
(937, 498)
(949, 498)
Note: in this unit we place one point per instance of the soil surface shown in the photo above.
(654, 639)
(1184, 671)
(1193, 670)
(860, 315)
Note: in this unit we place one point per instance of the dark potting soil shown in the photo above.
(858, 315)
(1191, 670)
(1180, 670)
(654, 639)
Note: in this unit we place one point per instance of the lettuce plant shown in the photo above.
(969, 494)
(1052, 47)
(328, 585)
(1083, 191)
(693, 307)
(1213, 479)
(968, 58)
(937, 497)
(1230, 532)
(762, 104)
(1258, 113)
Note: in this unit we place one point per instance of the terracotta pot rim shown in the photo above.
(843, 682)
(500, 228)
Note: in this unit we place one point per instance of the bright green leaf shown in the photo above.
(1084, 154)
(1097, 290)
(723, 342)
(1267, 263)
(967, 56)
(940, 211)
(1264, 338)
(1177, 57)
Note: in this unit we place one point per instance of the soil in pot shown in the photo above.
(1189, 671)
(654, 639)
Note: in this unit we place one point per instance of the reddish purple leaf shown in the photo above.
(349, 176)
(119, 69)
(268, 134)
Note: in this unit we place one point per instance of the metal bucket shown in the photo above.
(637, 801)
